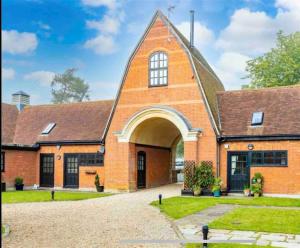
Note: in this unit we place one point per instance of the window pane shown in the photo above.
(268, 158)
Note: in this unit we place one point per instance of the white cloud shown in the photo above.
(43, 25)
(42, 77)
(202, 35)
(101, 44)
(8, 73)
(248, 32)
(254, 33)
(111, 4)
(231, 68)
(103, 90)
(15, 42)
(108, 25)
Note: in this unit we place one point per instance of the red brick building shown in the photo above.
(168, 93)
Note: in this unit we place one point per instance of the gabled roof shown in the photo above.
(8, 122)
(74, 122)
(281, 108)
(207, 80)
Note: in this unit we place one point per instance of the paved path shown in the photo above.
(101, 222)
(191, 228)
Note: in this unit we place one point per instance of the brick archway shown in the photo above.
(177, 119)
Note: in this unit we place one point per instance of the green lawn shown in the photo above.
(41, 196)
(178, 207)
(260, 219)
(224, 246)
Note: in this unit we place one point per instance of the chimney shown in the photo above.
(20, 99)
(192, 29)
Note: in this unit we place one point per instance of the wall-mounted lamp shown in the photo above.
(102, 149)
(250, 146)
(226, 146)
(58, 157)
(58, 147)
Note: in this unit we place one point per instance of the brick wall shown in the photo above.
(158, 166)
(282, 180)
(85, 180)
(182, 94)
(19, 164)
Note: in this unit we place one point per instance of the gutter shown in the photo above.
(259, 137)
(71, 142)
(20, 147)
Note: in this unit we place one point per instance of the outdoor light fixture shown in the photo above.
(58, 157)
(58, 147)
(160, 197)
(250, 146)
(102, 149)
(52, 195)
(205, 234)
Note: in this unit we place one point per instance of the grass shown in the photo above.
(178, 207)
(2, 229)
(260, 220)
(224, 246)
(43, 196)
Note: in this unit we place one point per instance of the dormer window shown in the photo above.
(257, 118)
(48, 129)
(158, 69)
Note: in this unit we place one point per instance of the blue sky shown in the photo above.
(41, 38)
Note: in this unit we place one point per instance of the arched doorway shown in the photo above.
(154, 134)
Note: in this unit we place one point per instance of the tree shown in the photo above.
(279, 67)
(67, 87)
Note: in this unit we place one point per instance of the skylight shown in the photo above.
(48, 129)
(257, 118)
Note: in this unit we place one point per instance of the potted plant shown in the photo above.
(246, 190)
(196, 182)
(206, 177)
(216, 189)
(197, 190)
(19, 183)
(97, 184)
(256, 189)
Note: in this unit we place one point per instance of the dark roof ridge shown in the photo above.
(259, 89)
(69, 104)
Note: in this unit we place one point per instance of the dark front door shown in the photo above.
(238, 171)
(47, 170)
(141, 170)
(71, 171)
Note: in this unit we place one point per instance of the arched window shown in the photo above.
(158, 69)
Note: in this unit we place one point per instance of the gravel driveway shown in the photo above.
(101, 222)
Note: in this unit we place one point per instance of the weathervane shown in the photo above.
(170, 9)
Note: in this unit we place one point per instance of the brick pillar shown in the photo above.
(191, 151)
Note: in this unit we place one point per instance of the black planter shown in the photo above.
(19, 186)
(206, 192)
(3, 187)
(187, 192)
(100, 188)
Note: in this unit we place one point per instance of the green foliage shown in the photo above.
(18, 180)
(97, 180)
(67, 88)
(217, 184)
(279, 67)
(180, 149)
(256, 188)
(205, 175)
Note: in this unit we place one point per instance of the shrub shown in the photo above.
(97, 180)
(18, 180)
(205, 175)
(217, 184)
